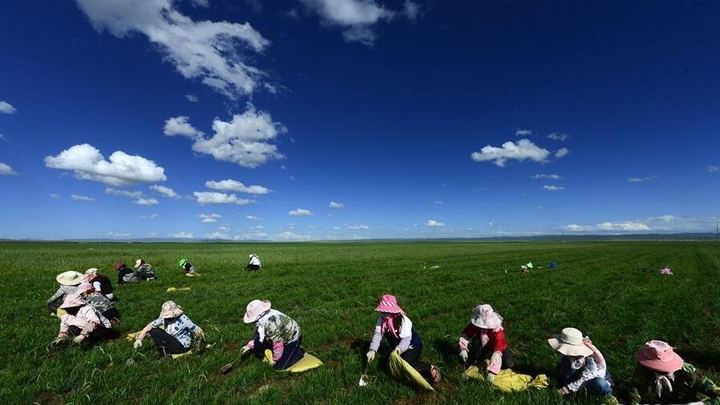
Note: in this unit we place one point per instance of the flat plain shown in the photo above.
(612, 291)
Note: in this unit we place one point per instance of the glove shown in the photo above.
(272, 362)
(490, 378)
(464, 355)
(137, 344)
(78, 339)
(57, 342)
(370, 355)
(244, 350)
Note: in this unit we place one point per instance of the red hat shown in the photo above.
(119, 265)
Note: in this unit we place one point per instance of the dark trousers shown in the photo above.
(54, 306)
(252, 267)
(412, 356)
(292, 352)
(166, 344)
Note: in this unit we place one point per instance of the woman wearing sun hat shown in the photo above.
(187, 267)
(274, 331)
(486, 329)
(81, 321)
(173, 332)
(101, 283)
(144, 270)
(397, 328)
(662, 376)
(69, 281)
(100, 302)
(581, 365)
(125, 275)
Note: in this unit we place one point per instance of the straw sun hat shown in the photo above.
(255, 309)
(69, 278)
(570, 343)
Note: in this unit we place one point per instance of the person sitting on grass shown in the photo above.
(173, 332)
(81, 322)
(101, 283)
(274, 331)
(397, 328)
(484, 339)
(663, 377)
(582, 366)
(254, 263)
(69, 281)
(144, 270)
(100, 302)
(187, 267)
(125, 275)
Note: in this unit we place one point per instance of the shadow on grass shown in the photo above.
(703, 360)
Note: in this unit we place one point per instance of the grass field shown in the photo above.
(331, 289)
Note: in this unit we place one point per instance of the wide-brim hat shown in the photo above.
(659, 356)
(119, 265)
(570, 343)
(70, 277)
(182, 262)
(485, 317)
(255, 309)
(84, 287)
(138, 263)
(71, 301)
(388, 303)
(170, 310)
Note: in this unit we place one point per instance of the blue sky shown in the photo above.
(300, 120)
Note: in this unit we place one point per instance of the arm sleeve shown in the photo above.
(467, 334)
(377, 335)
(55, 296)
(278, 349)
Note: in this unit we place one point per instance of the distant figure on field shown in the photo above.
(397, 328)
(100, 302)
(484, 338)
(144, 270)
(173, 332)
(125, 275)
(69, 281)
(662, 376)
(187, 267)
(81, 322)
(101, 283)
(254, 263)
(274, 331)
(582, 366)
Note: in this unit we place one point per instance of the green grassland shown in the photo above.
(331, 289)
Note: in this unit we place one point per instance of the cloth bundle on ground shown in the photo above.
(402, 370)
(307, 362)
(508, 380)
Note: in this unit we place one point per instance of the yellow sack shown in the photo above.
(308, 362)
(60, 312)
(509, 380)
(173, 289)
(402, 370)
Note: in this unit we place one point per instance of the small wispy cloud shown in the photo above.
(6, 170)
(713, 169)
(146, 201)
(182, 235)
(334, 204)
(433, 223)
(166, 192)
(192, 98)
(7, 108)
(438, 202)
(546, 177)
(562, 152)
(234, 185)
(123, 193)
(523, 132)
(77, 197)
(54, 196)
(557, 136)
(553, 188)
(151, 216)
(209, 218)
(355, 227)
(118, 234)
(641, 179)
(300, 212)
(252, 217)
(524, 149)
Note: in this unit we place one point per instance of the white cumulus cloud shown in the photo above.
(209, 218)
(334, 204)
(7, 108)
(300, 212)
(522, 150)
(433, 223)
(211, 52)
(246, 140)
(120, 170)
(358, 18)
(208, 197)
(234, 185)
(166, 192)
(6, 170)
(562, 152)
(146, 201)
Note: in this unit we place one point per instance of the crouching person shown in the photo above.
(274, 331)
(100, 302)
(81, 322)
(483, 340)
(582, 366)
(176, 335)
(663, 377)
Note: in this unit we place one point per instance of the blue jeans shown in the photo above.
(596, 386)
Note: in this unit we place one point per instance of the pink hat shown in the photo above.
(72, 300)
(84, 287)
(485, 317)
(388, 303)
(659, 356)
(255, 309)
